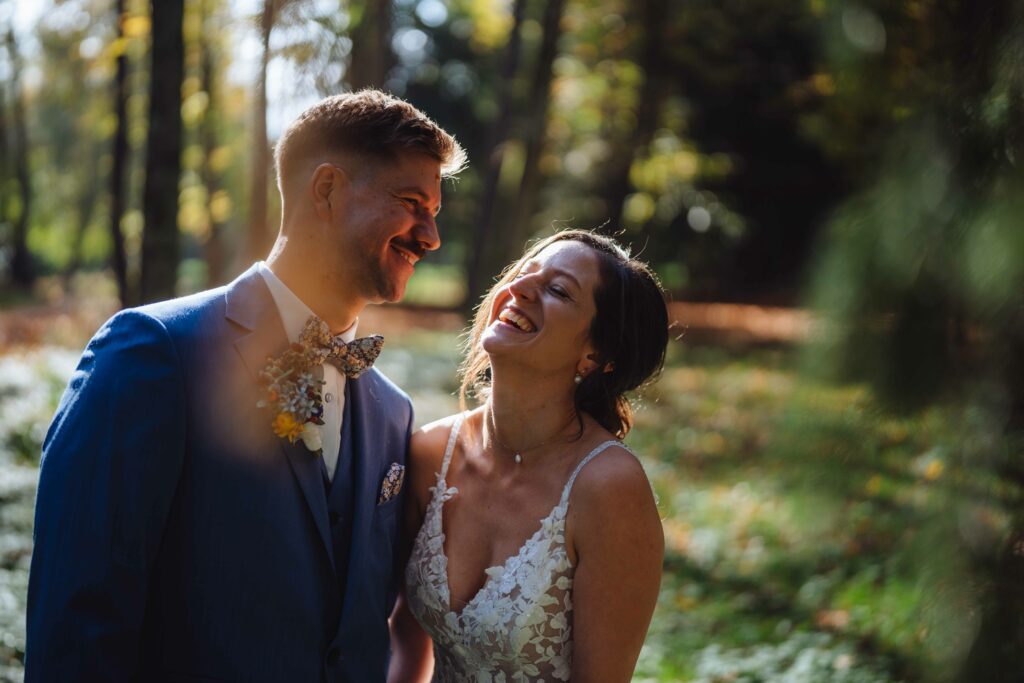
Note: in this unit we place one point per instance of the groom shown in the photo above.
(218, 489)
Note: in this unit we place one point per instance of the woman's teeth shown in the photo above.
(519, 321)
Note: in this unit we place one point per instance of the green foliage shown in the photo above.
(802, 658)
(806, 524)
(30, 386)
(435, 285)
(919, 287)
(762, 116)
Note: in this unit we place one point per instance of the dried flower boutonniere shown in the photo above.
(291, 390)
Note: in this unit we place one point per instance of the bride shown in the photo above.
(537, 545)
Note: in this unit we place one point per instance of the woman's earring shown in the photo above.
(578, 378)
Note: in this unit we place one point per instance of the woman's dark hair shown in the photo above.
(629, 332)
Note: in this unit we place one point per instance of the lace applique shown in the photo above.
(518, 627)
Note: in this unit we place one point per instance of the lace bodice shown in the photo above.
(518, 627)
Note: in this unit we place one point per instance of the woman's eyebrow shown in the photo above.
(532, 265)
(568, 275)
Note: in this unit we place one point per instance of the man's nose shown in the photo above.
(427, 234)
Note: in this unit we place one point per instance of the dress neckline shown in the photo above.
(545, 522)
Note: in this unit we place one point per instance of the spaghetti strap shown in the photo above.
(590, 456)
(450, 448)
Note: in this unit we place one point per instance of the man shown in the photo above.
(218, 490)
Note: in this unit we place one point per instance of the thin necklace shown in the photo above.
(518, 457)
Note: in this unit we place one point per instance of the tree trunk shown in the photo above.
(372, 57)
(216, 268)
(22, 269)
(160, 248)
(119, 154)
(481, 252)
(535, 132)
(648, 109)
(5, 160)
(258, 240)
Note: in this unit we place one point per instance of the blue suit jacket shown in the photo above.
(178, 539)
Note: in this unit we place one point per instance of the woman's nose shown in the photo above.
(523, 287)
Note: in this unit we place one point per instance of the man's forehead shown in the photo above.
(418, 170)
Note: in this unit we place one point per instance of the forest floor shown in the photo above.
(793, 510)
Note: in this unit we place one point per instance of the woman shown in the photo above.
(538, 546)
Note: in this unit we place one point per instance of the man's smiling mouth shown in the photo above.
(410, 257)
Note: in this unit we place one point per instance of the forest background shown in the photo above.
(829, 190)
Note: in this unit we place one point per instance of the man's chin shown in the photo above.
(390, 293)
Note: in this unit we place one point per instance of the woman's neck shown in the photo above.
(525, 411)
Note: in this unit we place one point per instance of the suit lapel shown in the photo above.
(250, 305)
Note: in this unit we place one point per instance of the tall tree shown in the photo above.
(214, 248)
(481, 248)
(258, 234)
(22, 268)
(743, 64)
(652, 94)
(160, 248)
(5, 159)
(119, 160)
(535, 130)
(371, 46)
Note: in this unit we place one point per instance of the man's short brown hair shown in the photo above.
(368, 123)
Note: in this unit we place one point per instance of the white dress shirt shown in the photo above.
(294, 314)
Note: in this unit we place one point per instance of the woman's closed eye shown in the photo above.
(559, 291)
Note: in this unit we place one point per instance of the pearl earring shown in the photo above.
(578, 378)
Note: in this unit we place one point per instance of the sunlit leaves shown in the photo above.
(491, 21)
(136, 26)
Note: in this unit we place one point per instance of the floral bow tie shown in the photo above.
(351, 358)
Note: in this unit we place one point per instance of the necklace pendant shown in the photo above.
(518, 458)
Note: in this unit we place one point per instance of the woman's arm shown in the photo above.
(412, 657)
(619, 546)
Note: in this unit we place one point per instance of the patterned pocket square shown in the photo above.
(392, 483)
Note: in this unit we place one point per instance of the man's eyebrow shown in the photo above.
(412, 189)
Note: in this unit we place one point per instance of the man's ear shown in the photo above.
(325, 185)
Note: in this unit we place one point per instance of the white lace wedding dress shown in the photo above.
(518, 627)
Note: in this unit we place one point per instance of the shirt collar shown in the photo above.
(293, 311)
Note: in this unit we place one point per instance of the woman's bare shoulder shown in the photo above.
(613, 490)
(616, 473)
(430, 441)
(426, 450)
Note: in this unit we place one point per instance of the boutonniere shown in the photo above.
(292, 392)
